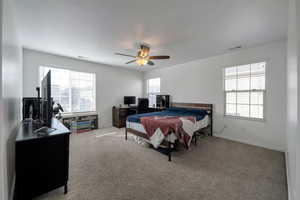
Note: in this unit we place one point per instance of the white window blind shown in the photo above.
(75, 91)
(245, 90)
(153, 89)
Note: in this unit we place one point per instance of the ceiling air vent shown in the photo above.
(235, 48)
(82, 57)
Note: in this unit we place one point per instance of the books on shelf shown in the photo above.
(81, 123)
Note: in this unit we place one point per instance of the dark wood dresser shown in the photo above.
(42, 162)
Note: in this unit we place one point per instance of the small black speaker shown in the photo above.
(31, 108)
(163, 101)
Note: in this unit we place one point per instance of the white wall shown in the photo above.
(293, 102)
(1, 102)
(112, 83)
(202, 81)
(11, 92)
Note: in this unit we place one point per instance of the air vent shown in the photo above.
(235, 48)
(82, 57)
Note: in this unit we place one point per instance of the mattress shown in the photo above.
(199, 114)
(171, 137)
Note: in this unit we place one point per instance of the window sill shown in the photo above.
(245, 118)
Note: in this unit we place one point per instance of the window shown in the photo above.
(245, 90)
(75, 91)
(153, 89)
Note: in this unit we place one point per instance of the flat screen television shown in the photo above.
(129, 100)
(46, 100)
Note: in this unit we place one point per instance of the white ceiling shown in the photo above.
(184, 29)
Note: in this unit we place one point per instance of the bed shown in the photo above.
(181, 122)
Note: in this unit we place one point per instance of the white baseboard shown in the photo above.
(275, 148)
(290, 190)
(12, 188)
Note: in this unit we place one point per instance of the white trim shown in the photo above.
(2, 163)
(148, 85)
(12, 188)
(290, 191)
(41, 72)
(245, 118)
(152, 93)
(250, 90)
(233, 138)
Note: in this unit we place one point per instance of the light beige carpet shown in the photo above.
(105, 166)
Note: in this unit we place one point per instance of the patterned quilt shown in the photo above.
(159, 127)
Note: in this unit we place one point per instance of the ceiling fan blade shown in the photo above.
(121, 54)
(159, 57)
(130, 61)
(150, 62)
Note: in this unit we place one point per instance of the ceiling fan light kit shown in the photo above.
(142, 61)
(143, 57)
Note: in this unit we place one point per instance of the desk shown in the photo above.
(42, 162)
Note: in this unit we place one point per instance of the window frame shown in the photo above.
(153, 93)
(264, 92)
(66, 68)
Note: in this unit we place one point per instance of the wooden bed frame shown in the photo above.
(207, 107)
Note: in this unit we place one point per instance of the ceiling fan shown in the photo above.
(143, 56)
